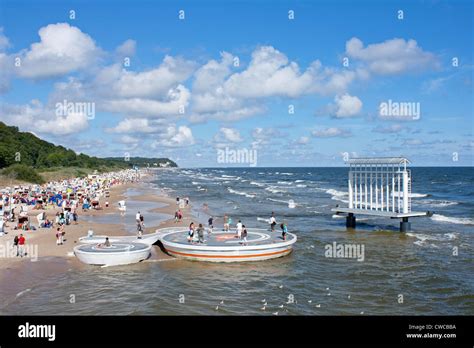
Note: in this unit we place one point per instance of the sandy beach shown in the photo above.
(46, 258)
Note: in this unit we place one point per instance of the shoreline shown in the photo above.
(22, 274)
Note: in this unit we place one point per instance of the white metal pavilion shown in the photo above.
(379, 187)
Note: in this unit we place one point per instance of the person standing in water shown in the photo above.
(239, 229)
(284, 230)
(273, 222)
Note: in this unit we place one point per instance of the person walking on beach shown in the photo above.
(21, 245)
(137, 218)
(239, 229)
(200, 232)
(284, 230)
(273, 222)
(210, 223)
(15, 245)
(176, 217)
(244, 236)
(180, 215)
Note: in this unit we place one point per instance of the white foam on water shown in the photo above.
(284, 183)
(301, 185)
(259, 184)
(452, 220)
(21, 293)
(296, 181)
(263, 220)
(274, 189)
(277, 200)
(436, 203)
(411, 195)
(240, 193)
(335, 216)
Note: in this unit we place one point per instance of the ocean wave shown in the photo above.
(263, 220)
(411, 195)
(301, 185)
(296, 181)
(452, 220)
(422, 238)
(338, 195)
(278, 200)
(284, 183)
(240, 193)
(257, 184)
(274, 189)
(436, 203)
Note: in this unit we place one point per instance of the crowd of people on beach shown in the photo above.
(61, 199)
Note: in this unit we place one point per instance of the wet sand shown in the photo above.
(18, 274)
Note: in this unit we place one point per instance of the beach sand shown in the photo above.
(18, 274)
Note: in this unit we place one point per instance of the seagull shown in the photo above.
(263, 308)
(222, 302)
(361, 312)
(349, 296)
(281, 286)
(264, 300)
(318, 306)
(329, 294)
(265, 304)
(327, 288)
(309, 301)
(281, 306)
(217, 308)
(276, 313)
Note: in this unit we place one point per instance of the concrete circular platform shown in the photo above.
(222, 246)
(115, 254)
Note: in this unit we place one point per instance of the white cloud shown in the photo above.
(330, 132)
(175, 137)
(61, 50)
(347, 105)
(138, 125)
(37, 118)
(176, 100)
(127, 48)
(303, 140)
(391, 56)
(230, 134)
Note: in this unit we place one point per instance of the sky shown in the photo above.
(294, 83)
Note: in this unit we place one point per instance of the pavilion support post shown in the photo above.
(405, 226)
(351, 221)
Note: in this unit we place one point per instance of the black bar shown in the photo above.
(208, 330)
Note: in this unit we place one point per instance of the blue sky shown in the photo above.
(184, 96)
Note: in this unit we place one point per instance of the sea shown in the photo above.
(427, 271)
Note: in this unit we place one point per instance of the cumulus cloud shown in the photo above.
(138, 125)
(229, 134)
(35, 117)
(330, 133)
(62, 49)
(391, 56)
(346, 106)
(175, 137)
(127, 48)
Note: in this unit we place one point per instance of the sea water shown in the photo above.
(426, 271)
